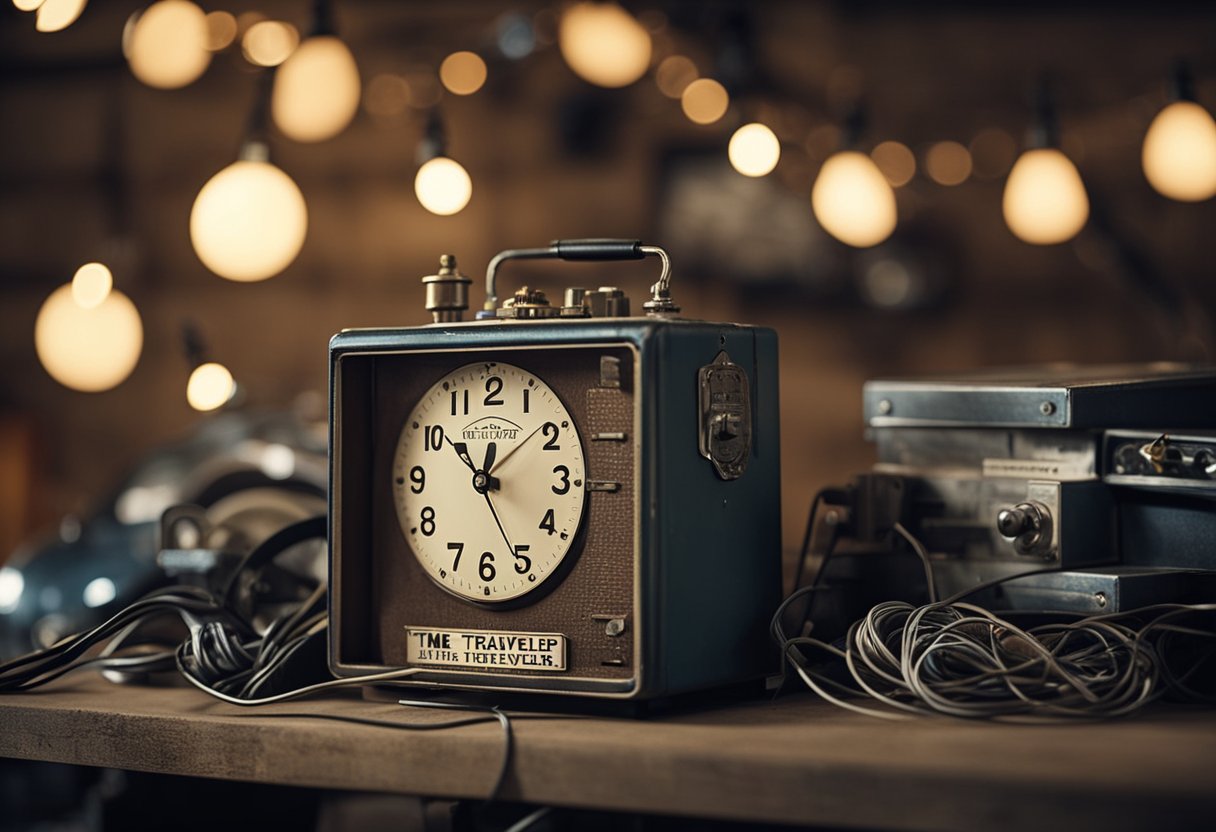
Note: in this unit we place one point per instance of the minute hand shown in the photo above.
(516, 447)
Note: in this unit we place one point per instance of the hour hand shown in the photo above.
(462, 450)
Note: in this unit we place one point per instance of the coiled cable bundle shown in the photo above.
(959, 659)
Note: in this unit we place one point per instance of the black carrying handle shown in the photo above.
(598, 249)
(586, 249)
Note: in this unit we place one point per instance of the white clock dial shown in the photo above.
(489, 481)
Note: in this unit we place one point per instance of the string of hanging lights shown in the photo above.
(250, 220)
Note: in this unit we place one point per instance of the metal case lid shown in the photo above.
(1157, 396)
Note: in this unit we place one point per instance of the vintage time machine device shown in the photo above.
(555, 498)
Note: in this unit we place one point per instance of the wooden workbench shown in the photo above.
(794, 760)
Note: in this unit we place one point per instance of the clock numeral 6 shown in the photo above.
(432, 438)
(563, 472)
(428, 521)
(458, 548)
(486, 567)
(549, 431)
(418, 477)
(523, 563)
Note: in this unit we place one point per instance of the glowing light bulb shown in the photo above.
(249, 221)
(27, 5)
(463, 73)
(1179, 155)
(91, 285)
(57, 15)
(1045, 199)
(166, 44)
(754, 150)
(896, 162)
(210, 386)
(705, 101)
(604, 44)
(269, 42)
(853, 201)
(316, 90)
(443, 186)
(91, 349)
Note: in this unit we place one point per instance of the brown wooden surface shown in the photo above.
(796, 760)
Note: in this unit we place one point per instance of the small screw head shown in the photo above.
(1100, 599)
(1047, 408)
(614, 627)
(885, 407)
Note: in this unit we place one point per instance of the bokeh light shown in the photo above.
(754, 150)
(249, 221)
(386, 95)
(463, 73)
(948, 163)
(210, 386)
(604, 44)
(269, 42)
(705, 101)
(1179, 153)
(896, 161)
(91, 349)
(221, 30)
(57, 15)
(91, 285)
(316, 90)
(674, 74)
(166, 44)
(443, 186)
(1045, 200)
(853, 201)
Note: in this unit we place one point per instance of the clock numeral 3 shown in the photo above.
(432, 438)
(418, 477)
(523, 564)
(458, 548)
(486, 567)
(427, 526)
(493, 388)
(563, 472)
(547, 523)
(550, 445)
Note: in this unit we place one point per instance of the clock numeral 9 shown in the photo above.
(523, 563)
(427, 526)
(486, 567)
(549, 431)
(418, 477)
(563, 472)
(547, 523)
(458, 548)
(493, 388)
(432, 437)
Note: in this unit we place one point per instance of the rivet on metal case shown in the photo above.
(726, 416)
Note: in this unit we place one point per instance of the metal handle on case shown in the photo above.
(660, 302)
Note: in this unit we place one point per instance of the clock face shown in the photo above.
(489, 481)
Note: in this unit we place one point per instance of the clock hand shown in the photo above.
(518, 445)
(482, 481)
(507, 540)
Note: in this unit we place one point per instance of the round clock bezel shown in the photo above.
(573, 552)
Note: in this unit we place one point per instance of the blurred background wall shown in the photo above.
(96, 165)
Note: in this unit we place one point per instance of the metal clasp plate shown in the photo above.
(726, 416)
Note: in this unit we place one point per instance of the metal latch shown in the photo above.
(726, 416)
